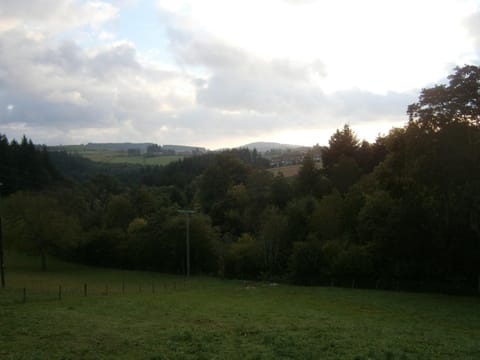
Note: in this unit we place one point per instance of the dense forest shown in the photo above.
(402, 211)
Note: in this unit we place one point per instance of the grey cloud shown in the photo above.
(60, 90)
(241, 81)
(72, 59)
(245, 94)
(30, 10)
(210, 124)
(190, 49)
(260, 89)
(68, 57)
(64, 87)
(51, 16)
(363, 106)
(110, 61)
(114, 59)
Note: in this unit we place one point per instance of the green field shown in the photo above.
(287, 171)
(110, 156)
(153, 316)
(121, 157)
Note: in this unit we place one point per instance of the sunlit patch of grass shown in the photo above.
(287, 171)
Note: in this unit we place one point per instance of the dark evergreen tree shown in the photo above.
(342, 144)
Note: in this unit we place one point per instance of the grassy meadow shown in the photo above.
(287, 171)
(110, 156)
(121, 157)
(141, 315)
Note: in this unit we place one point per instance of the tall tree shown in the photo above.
(24, 166)
(342, 144)
(275, 242)
(429, 167)
(308, 178)
(35, 222)
(455, 102)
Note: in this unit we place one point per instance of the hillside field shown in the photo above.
(141, 315)
(287, 171)
(109, 156)
(121, 157)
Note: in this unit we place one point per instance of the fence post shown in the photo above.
(353, 283)
(59, 292)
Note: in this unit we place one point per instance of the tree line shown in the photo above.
(403, 208)
(24, 166)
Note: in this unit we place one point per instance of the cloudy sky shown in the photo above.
(222, 73)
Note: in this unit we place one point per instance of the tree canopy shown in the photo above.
(456, 102)
(404, 209)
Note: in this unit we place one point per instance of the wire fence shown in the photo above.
(48, 292)
(35, 292)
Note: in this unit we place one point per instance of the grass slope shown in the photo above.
(119, 157)
(217, 319)
(287, 171)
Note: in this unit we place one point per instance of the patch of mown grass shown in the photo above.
(218, 319)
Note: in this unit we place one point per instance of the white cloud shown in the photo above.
(65, 89)
(279, 93)
(235, 72)
(374, 45)
(69, 97)
(52, 16)
(473, 26)
(105, 36)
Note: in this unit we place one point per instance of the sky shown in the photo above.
(223, 73)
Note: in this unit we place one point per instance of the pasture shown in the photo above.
(287, 171)
(122, 157)
(141, 315)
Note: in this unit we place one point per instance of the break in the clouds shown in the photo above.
(222, 73)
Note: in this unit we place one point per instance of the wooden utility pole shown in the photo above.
(187, 240)
(2, 269)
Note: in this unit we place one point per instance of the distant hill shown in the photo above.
(101, 147)
(142, 147)
(184, 149)
(118, 146)
(266, 146)
(261, 147)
